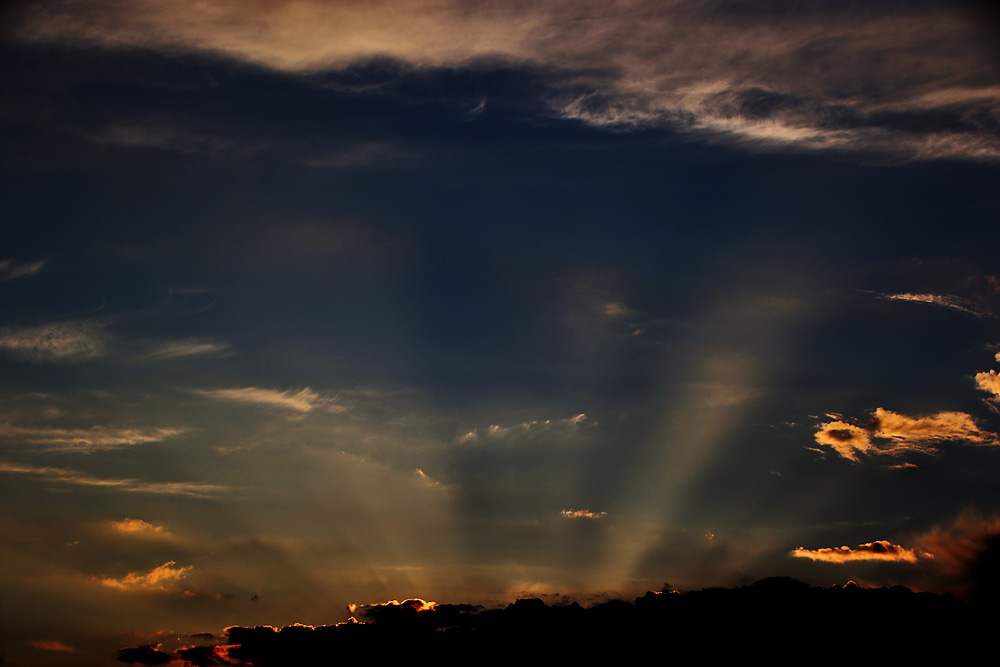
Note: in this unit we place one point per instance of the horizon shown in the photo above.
(309, 304)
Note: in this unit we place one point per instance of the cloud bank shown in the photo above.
(914, 81)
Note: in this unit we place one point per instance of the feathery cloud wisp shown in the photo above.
(304, 400)
(59, 342)
(93, 439)
(68, 476)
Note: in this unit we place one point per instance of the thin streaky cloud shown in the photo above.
(944, 300)
(882, 550)
(72, 341)
(495, 431)
(9, 269)
(302, 401)
(51, 645)
(136, 527)
(186, 347)
(68, 476)
(85, 440)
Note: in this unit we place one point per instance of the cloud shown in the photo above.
(902, 434)
(841, 76)
(989, 382)
(302, 401)
(548, 426)
(67, 476)
(878, 550)
(944, 300)
(186, 347)
(966, 552)
(144, 655)
(136, 527)
(51, 645)
(9, 269)
(158, 579)
(582, 514)
(86, 440)
(59, 342)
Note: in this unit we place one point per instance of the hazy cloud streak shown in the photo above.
(67, 476)
(95, 438)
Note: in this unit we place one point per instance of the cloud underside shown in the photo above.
(882, 550)
(76, 477)
(914, 81)
(892, 434)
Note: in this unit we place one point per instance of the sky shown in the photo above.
(307, 304)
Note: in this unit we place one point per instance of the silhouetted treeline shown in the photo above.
(776, 618)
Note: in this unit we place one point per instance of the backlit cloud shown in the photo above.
(302, 401)
(158, 579)
(965, 551)
(68, 476)
(878, 550)
(751, 73)
(59, 342)
(894, 434)
(93, 439)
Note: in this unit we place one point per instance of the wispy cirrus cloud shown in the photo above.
(71, 341)
(302, 401)
(893, 434)
(879, 550)
(69, 476)
(9, 269)
(160, 578)
(944, 300)
(550, 426)
(85, 440)
(840, 76)
(185, 347)
(136, 527)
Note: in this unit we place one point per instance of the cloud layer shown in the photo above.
(911, 80)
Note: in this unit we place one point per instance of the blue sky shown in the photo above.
(307, 304)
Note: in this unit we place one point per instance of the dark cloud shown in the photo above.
(144, 655)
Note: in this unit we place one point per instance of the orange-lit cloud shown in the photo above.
(583, 514)
(901, 434)
(945, 300)
(878, 550)
(302, 401)
(158, 579)
(95, 438)
(68, 476)
(136, 527)
(989, 382)
(51, 645)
